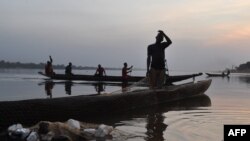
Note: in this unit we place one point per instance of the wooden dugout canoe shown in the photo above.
(169, 79)
(217, 75)
(78, 107)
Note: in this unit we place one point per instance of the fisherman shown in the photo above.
(68, 69)
(125, 71)
(156, 60)
(100, 71)
(48, 67)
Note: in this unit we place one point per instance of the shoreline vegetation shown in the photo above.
(19, 65)
(242, 68)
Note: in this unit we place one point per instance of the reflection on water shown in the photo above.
(99, 87)
(155, 118)
(48, 88)
(49, 85)
(155, 127)
(245, 79)
(67, 86)
(227, 78)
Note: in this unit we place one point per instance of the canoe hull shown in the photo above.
(216, 75)
(79, 107)
(169, 79)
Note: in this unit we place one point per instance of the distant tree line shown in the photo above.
(19, 65)
(243, 67)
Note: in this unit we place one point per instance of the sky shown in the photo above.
(207, 35)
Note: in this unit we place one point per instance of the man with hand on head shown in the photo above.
(156, 60)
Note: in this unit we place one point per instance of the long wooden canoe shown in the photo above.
(169, 79)
(217, 75)
(191, 103)
(78, 107)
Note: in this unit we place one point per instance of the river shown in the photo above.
(196, 119)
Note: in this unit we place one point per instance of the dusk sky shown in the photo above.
(206, 35)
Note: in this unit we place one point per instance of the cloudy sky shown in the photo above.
(206, 35)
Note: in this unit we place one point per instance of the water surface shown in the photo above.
(195, 119)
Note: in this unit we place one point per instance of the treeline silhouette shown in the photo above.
(19, 65)
(244, 67)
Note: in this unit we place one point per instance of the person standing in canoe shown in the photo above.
(100, 71)
(48, 67)
(68, 69)
(126, 71)
(125, 76)
(156, 60)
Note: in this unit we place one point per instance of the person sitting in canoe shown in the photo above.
(48, 67)
(100, 71)
(125, 71)
(68, 69)
(156, 60)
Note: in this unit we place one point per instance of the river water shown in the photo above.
(195, 119)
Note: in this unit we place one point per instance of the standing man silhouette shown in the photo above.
(125, 71)
(48, 67)
(68, 69)
(156, 60)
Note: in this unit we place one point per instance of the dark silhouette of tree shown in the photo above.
(244, 67)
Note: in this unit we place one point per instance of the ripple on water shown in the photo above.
(204, 124)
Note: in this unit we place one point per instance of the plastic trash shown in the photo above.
(14, 127)
(24, 132)
(33, 137)
(89, 131)
(73, 123)
(103, 130)
(18, 132)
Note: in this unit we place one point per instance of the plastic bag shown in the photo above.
(33, 137)
(103, 130)
(73, 124)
